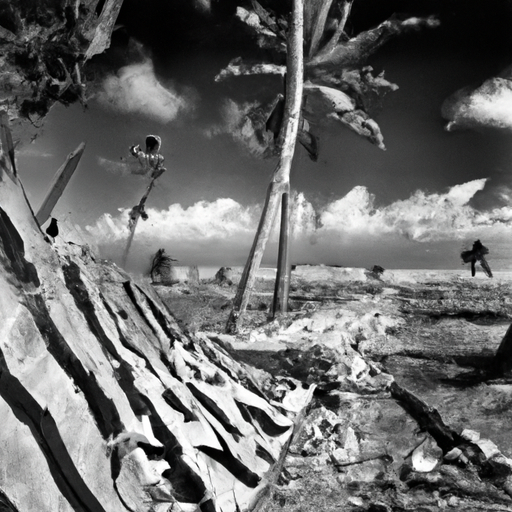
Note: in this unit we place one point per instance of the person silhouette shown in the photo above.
(477, 253)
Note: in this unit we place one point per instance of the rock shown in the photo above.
(426, 456)
(257, 335)
(470, 435)
(507, 486)
(453, 501)
(489, 449)
(356, 500)
(453, 455)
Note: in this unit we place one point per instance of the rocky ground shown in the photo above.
(405, 415)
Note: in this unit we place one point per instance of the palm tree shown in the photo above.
(330, 81)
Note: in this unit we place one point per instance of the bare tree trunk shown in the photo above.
(281, 178)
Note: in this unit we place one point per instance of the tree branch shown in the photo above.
(345, 12)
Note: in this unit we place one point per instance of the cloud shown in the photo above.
(33, 151)
(135, 89)
(349, 229)
(122, 167)
(245, 123)
(489, 105)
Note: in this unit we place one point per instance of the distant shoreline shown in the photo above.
(355, 273)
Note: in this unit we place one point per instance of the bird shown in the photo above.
(52, 230)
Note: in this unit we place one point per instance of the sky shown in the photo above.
(415, 205)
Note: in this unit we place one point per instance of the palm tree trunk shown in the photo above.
(142, 203)
(282, 285)
(280, 182)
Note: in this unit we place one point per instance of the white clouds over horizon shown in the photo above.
(221, 231)
(135, 89)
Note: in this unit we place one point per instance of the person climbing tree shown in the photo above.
(151, 164)
(151, 161)
(477, 253)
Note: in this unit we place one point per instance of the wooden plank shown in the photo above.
(60, 180)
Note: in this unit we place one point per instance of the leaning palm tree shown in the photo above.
(149, 163)
(331, 81)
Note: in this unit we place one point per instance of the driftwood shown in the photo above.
(426, 416)
(59, 183)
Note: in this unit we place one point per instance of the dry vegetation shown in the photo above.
(205, 306)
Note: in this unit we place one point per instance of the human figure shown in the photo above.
(223, 276)
(477, 253)
(136, 212)
(161, 266)
(151, 161)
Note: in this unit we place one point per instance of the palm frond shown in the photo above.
(356, 50)
(238, 67)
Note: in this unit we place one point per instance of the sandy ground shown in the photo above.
(434, 332)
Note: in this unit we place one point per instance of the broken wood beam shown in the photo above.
(426, 416)
(59, 183)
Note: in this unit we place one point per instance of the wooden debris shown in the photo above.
(59, 183)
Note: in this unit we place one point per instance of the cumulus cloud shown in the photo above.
(33, 151)
(488, 105)
(136, 89)
(221, 232)
(122, 167)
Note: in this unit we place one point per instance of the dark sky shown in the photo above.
(186, 48)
